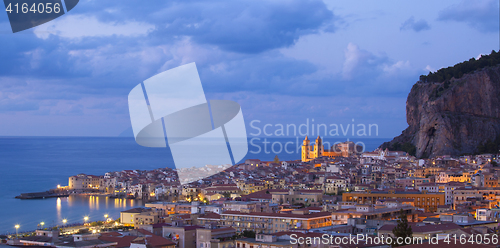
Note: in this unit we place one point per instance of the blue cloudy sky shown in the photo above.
(283, 61)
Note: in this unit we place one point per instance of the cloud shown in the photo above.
(481, 15)
(11, 103)
(365, 73)
(238, 26)
(83, 26)
(358, 61)
(416, 26)
(247, 26)
(83, 65)
(430, 69)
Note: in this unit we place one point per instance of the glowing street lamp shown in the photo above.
(106, 217)
(17, 228)
(85, 219)
(64, 222)
(41, 224)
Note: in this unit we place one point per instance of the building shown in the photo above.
(264, 241)
(334, 184)
(425, 200)
(446, 188)
(209, 218)
(41, 238)
(138, 238)
(305, 197)
(370, 212)
(221, 189)
(52, 239)
(83, 181)
(152, 241)
(248, 206)
(140, 216)
(172, 207)
(310, 152)
(215, 237)
(453, 176)
(465, 194)
(86, 241)
(183, 236)
(275, 222)
(381, 154)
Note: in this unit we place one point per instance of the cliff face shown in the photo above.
(453, 117)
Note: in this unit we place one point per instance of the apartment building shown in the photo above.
(371, 212)
(463, 194)
(249, 206)
(171, 207)
(334, 184)
(427, 201)
(183, 236)
(141, 216)
(306, 197)
(454, 176)
(215, 237)
(275, 222)
(264, 241)
(446, 188)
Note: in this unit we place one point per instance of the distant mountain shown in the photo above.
(454, 111)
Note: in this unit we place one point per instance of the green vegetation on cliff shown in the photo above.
(460, 69)
(405, 147)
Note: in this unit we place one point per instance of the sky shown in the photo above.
(285, 62)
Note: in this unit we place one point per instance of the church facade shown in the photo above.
(310, 152)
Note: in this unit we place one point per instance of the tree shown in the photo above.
(248, 234)
(276, 159)
(460, 69)
(402, 229)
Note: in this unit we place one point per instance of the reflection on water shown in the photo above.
(73, 208)
(58, 207)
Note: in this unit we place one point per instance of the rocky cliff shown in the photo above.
(453, 117)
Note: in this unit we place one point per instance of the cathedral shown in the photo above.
(310, 152)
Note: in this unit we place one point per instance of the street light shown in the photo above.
(17, 227)
(85, 219)
(106, 217)
(64, 222)
(41, 224)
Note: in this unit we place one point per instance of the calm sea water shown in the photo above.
(34, 164)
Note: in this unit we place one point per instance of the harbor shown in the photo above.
(43, 195)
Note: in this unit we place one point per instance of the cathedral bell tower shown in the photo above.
(306, 147)
(318, 148)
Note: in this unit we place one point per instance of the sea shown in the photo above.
(36, 164)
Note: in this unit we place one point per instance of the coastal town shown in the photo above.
(336, 192)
